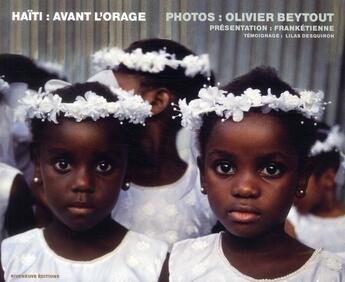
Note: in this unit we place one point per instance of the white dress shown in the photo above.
(7, 175)
(202, 259)
(137, 258)
(318, 232)
(170, 212)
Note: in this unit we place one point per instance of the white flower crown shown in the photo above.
(152, 62)
(335, 141)
(4, 86)
(225, 105)
(47, 106)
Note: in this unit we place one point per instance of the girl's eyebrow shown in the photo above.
(116, 149)
(57, 150)
(218, 152)
(282, 155)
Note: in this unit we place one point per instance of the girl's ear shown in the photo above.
(36, 186)
(203, 184)
(304, 174)
(127, 180)
(37, 165)
(159, 98)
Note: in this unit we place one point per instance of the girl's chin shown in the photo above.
(246, 233)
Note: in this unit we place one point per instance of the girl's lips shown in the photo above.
(80, 209)
(243, 216)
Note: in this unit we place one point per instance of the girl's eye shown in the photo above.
(225, 168)
(271, 170)
(104, 167)
(62, 165)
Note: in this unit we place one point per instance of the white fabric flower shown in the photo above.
(3, 85)
(171, 210)
(196, 64)
(47, 106)
(151, 62)
(335, 141)
(200, 245)
(149, 209)
(27, 259)
(132, 260)
(171, 236)
(50, 105)
(254, 97)
(312, 102)
(142, 246)
(334, 263)
(288, 102)
(226, 105)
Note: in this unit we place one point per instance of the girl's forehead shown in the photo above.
(255, 130)
(98, 131)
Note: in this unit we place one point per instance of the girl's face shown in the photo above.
(82, 167)
(250, 173)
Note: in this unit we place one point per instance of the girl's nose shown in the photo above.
(83, 181)
(245, 186)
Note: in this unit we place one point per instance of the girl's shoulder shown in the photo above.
(191, 257)
(137, 258)
(20, 246)
(330, 261)
(23, 238)
(200, 244)
(202, 259)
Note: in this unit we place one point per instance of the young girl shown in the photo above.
(253, 139)
(164, 189)
(81, 152)
(319, 218)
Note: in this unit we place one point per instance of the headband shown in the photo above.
(335, 141)
(151, 62)
(3, 85)
(47, 106)
(226, 105)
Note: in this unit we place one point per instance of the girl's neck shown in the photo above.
(161, 163)
(263, 244)
(84, 245)
(269, 256)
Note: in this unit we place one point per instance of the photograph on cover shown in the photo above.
(172, 140)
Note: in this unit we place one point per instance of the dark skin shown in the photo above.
(81, 167)
(251, 172)
(43, 215)
(82, 171)
(157, 162)
(84, 246)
